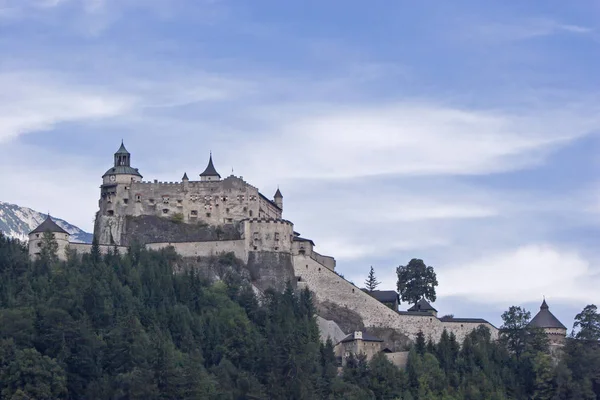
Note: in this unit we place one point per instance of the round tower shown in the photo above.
(36, 238)
(278, 199)
(122, 172)
(553, 328)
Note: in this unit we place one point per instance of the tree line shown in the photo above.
(127, 327)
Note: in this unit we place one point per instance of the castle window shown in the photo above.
(230, 220)
(276, 248)
(255, 235)
(127, 187)
(111, 213)
(165, 210)
(126, 201)
(208, 215)
(37, 235)
(251, 213)
(224, 198)
(227, 210)
(179, 201)
(151, 201)
(166, 199)
(39, 245)
(138, 198)
(194, 213)
(255, 248)
(277, 236)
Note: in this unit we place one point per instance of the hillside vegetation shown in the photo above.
(127, 327)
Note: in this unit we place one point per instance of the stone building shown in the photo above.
(388, 297)
(36, 237)
(552, 327)
(355, 344)
(423, 306)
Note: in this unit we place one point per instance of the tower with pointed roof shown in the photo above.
(552, 327)
(278, 199)
(122, 171)
(210, 173)
(36, 238)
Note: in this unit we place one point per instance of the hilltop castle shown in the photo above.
(215, 215)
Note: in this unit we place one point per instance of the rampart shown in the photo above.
(86, 248)
(330, 287)
(205, 249)
(269, 234)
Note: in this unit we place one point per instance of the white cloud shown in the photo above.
(523, 274)
(526, 29)
(35, 102)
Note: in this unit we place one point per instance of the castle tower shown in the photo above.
(278, 198)
(36, 238)
(210, 173)
(185, 181)
(553, 328)
(122, 172)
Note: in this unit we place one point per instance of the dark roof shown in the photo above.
(422, 305)
(278, 194)
(416, 313)
(545, 319)
(384, 296)
(122, 170)
(122, 149)
(210, 169)
(465, 320)
(48, 226)
(185, 177)
(262, 196)
(301, 239)
(365, 336)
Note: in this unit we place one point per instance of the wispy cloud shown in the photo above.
(526, 29)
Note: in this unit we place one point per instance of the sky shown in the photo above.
(463, 133)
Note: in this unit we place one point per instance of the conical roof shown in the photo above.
(422, 305)
(210, 169)
(48, 226)
(185, 177)
(278, 194)
(545, 319)
(122, 149)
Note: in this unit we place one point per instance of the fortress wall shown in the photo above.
(269, 235)
(399, 359)
(34, 246)
(327, 261)
(86, 248)
(267, 209)
(328, 286)
(205, 249)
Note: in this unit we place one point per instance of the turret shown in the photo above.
(552, 327)
(185, 181)
(278, 199)
(122, 172)
(36, 238)
(210, 173)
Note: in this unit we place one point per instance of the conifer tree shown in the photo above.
(371, 281)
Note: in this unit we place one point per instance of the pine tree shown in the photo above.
(371, 281)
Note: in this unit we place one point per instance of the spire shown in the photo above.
(122, 149)
(210, 171)
(278, 194)
(185, 177)
(544, 305)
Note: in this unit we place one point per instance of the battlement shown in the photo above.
(268, 221)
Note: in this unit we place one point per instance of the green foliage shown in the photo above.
(416, 281)
(588, 323)
(371, 282)
(177, 218)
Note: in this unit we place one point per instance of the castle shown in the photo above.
(215, 215)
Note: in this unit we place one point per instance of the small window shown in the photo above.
(165, 210)
(138, 198)
(320, 271)
(255, 248)
(227, 210)
(245, 209)
(39, 244)
(255, 235)
(352, 289)
(194, 213)
(37, 235)
(165, 199)
(208, 215)
(230, 220)
(224, 198)
(127, 188)
(277, 236)
(179, 201)
(151, 201)
(125, 201)
(251, 213)
(111, 213)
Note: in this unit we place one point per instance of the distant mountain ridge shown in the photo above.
(16, 222)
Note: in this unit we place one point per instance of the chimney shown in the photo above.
(358, 335)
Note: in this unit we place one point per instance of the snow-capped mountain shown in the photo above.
(17, 222)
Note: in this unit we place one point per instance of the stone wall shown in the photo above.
(205, 249)
(399, 359)
(86, 248)
(206, 202)
(327, 261)
(269, 235)
(271, 269)
(152, 229)
(328, 286)
(34, 245)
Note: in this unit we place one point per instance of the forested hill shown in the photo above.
(112, 327)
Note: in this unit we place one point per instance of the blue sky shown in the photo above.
(465, 133)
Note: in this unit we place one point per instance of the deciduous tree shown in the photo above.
(415, 281)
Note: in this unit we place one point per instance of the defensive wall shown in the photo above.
(269, 234)
(86, 248)
(205, 249)
(328, 286)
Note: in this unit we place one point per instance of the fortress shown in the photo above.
(213, 215)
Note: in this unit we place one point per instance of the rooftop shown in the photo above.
(384, 296)
(365, 337)
(48, 226)
(210, 169)
(422, 305)
(545, 319)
